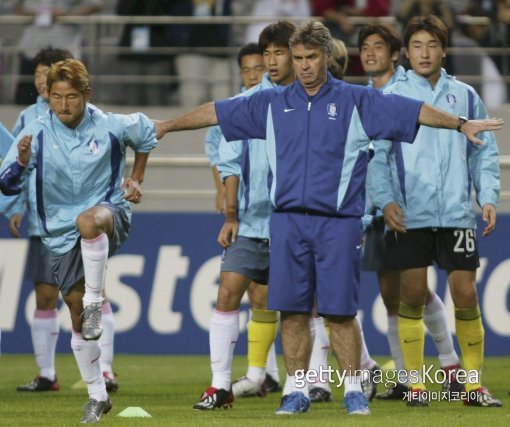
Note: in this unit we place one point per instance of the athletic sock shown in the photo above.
(394, 342)
(45, 330)
(366, 361)
(262, 330)
(291, 386)
(352, 383)
(319, 357)
(106, 341)
(87, 355)
(411, 331)
(223, 336)
(94, 253)
(435, 321)
(272, 364)
(470, 335)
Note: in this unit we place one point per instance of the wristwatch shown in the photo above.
(462, 120)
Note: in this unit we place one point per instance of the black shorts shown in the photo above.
(374, 253)
(451, 249)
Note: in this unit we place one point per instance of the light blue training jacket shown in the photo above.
(371, 211)
(212, 144)
(76, 169)
(30, 113)
(432, 179)
(247, 159)
(10, 205)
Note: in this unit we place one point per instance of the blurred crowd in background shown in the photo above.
(132, 67)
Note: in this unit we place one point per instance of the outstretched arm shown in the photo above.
(200, 117)
(430, 116)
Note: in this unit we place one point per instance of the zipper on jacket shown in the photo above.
(307, 148)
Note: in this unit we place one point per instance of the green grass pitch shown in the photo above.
(167, 387)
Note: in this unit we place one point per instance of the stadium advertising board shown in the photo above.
(163, 282)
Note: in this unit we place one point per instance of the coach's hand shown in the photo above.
(394, 218)
(472, 127)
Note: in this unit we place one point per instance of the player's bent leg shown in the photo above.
(95, 226)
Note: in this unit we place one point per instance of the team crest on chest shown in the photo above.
(450, 98)
(93, 145)
(332, 111)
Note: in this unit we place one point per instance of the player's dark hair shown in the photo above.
(50, 55)
(387, 32)
(431, 24)
(248, 49)
(278, 34)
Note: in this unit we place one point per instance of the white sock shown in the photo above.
(272, 364)
(434, 318)
(394, 342)
(87, 355)
(223, 335)
(366, 361)
(352, 383)
(256, 374)
(319, 357)
(94, 253)
(107, 338)
(45, 329)
(291, 385)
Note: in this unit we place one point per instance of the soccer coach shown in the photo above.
(317, 132)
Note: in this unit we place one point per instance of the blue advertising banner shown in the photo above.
(163, 283)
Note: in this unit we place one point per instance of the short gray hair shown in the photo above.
(313, 34)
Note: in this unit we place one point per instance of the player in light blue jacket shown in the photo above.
(244, 168)
(380, 46)
(251, 67)
(425, 192)
(78, 156)
(317, 131)
(45, 324)
(6, 139)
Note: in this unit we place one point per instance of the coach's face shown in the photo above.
(311, 66)
(68, 103)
